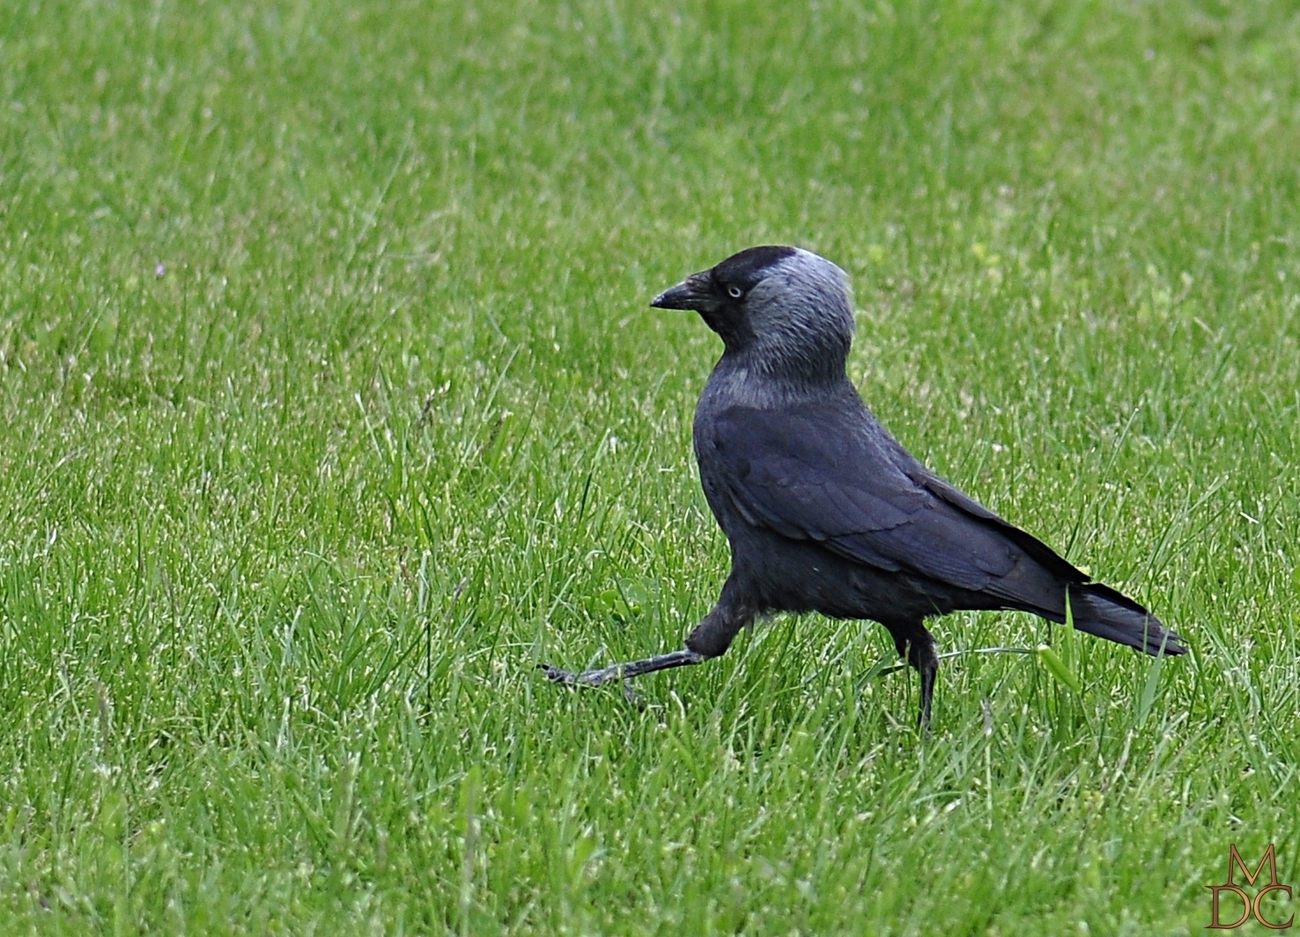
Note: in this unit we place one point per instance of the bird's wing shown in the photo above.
(833, 475)
(1048, 558)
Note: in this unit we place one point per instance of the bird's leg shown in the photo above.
(913, 641)
(711, 638)
(636, 668)
(922, 656)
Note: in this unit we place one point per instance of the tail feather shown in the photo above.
(1102, 611)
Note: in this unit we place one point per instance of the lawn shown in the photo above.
(331, 405)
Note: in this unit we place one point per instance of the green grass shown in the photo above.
(286, 526)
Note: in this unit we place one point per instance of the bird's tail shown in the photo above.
(1108, 614)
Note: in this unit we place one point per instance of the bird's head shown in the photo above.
(783, 309)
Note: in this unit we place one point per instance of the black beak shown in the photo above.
(691, 293)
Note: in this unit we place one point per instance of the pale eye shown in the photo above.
(735, 292)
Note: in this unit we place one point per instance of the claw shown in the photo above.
(624, 672)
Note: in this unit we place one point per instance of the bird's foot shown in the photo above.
(626, 671)
(586, 678)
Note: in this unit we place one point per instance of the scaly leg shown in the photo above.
(917, 644)
(922, 656)
(626, 671)
(711, 638)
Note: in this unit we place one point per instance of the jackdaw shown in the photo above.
(824, 510)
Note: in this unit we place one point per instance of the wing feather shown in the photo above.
(817, 472)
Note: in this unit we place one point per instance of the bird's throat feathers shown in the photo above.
(741, 380)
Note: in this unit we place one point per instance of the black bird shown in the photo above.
(825, 511)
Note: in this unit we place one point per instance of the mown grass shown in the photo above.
(332, 405)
